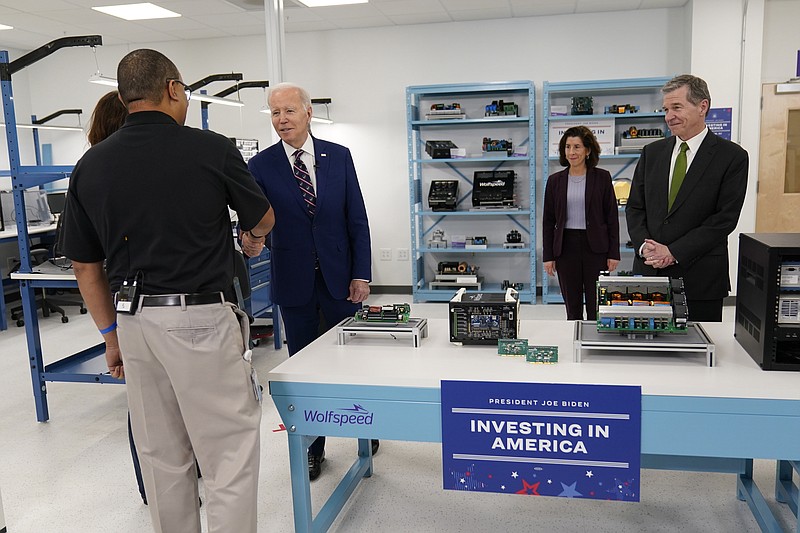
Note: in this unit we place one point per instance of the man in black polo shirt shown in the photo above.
(152, 201)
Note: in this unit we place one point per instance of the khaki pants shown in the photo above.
(190, 395)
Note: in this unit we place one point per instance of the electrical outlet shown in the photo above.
(386, 254)
(402, 254)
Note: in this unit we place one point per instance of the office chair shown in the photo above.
(58, 298)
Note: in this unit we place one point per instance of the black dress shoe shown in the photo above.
(375, 445)
(315, 465)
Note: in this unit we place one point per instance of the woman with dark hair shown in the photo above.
(580, 222)
(108, 116)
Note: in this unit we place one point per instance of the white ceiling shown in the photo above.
(37, 22)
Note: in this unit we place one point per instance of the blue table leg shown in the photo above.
(301, 486)
(748, 491)
(785, 489)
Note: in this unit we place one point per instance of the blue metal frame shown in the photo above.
(786, 491)
(72, 368)
(678, 433)
(423, 222)
(622, 87)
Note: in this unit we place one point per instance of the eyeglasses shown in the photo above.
(186, 88)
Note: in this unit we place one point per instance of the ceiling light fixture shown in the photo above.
(105, 80)
(44, 127)
(324, 3)
(102, 80)
(4, 27)
(327, 118)
(144, 11)
(216, 100)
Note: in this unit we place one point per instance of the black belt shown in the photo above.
(166, 300)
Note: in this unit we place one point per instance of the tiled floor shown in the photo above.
(74, 473)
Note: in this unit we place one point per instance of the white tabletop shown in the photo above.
(47, 271)
(11, 230)
(383, 361)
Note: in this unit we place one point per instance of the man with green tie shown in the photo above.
(686, 196)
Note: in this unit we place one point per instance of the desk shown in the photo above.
(694, 417)
(86, 366)
(10, 235)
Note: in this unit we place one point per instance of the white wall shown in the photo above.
(781, 40)
(365, 72)
(727, 53)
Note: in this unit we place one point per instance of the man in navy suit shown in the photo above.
(680, 226)
(320, 245)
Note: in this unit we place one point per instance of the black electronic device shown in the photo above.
(56, 201)
(514, 237)
(439, 149)
(443, 195)
(484, 318)
(582, 105)
(493, 188)
(456, 267)
(621, 109)
(498, 145)
(768, 299)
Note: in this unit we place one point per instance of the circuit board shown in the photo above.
(394, 313)
(641, 304)
(512, 347)
(542, 355)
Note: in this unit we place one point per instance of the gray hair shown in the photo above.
(697, 88)
(305, 99)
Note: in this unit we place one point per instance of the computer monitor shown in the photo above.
(56, 201)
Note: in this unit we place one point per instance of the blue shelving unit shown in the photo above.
(87, 366)
(643, 92)
(496, 263)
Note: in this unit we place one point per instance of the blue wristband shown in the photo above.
(109, 329)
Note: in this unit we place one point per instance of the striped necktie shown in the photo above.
(304, 182)
(677, 175)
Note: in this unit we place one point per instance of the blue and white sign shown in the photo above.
(543, 439)
(718, 121)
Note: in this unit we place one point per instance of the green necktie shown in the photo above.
(678, 173)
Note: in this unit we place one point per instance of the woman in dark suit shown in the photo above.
(580, 223)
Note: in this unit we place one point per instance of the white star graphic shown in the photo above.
(549, 481)
(589, 473)
(503, 487)
(514, 475)
(463, 480)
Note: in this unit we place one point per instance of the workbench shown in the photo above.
(694, 417)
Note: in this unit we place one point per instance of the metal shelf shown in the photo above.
(634, 90)
(492, 248)
(488, 158)
(450, 122)
(472, 97)
(477, 213)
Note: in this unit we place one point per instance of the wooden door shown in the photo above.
(778, 200)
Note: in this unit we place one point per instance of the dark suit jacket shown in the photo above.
(338, 234)
(602, 216)
(704, 213)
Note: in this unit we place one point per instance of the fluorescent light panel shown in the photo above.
(102, 80)
(45, 127)
(321, 120)
(111, 82)
(323, 3)
(144, 11)
(216, 100)
(4, 27)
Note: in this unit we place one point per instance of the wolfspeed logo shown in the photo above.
(356, 415)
